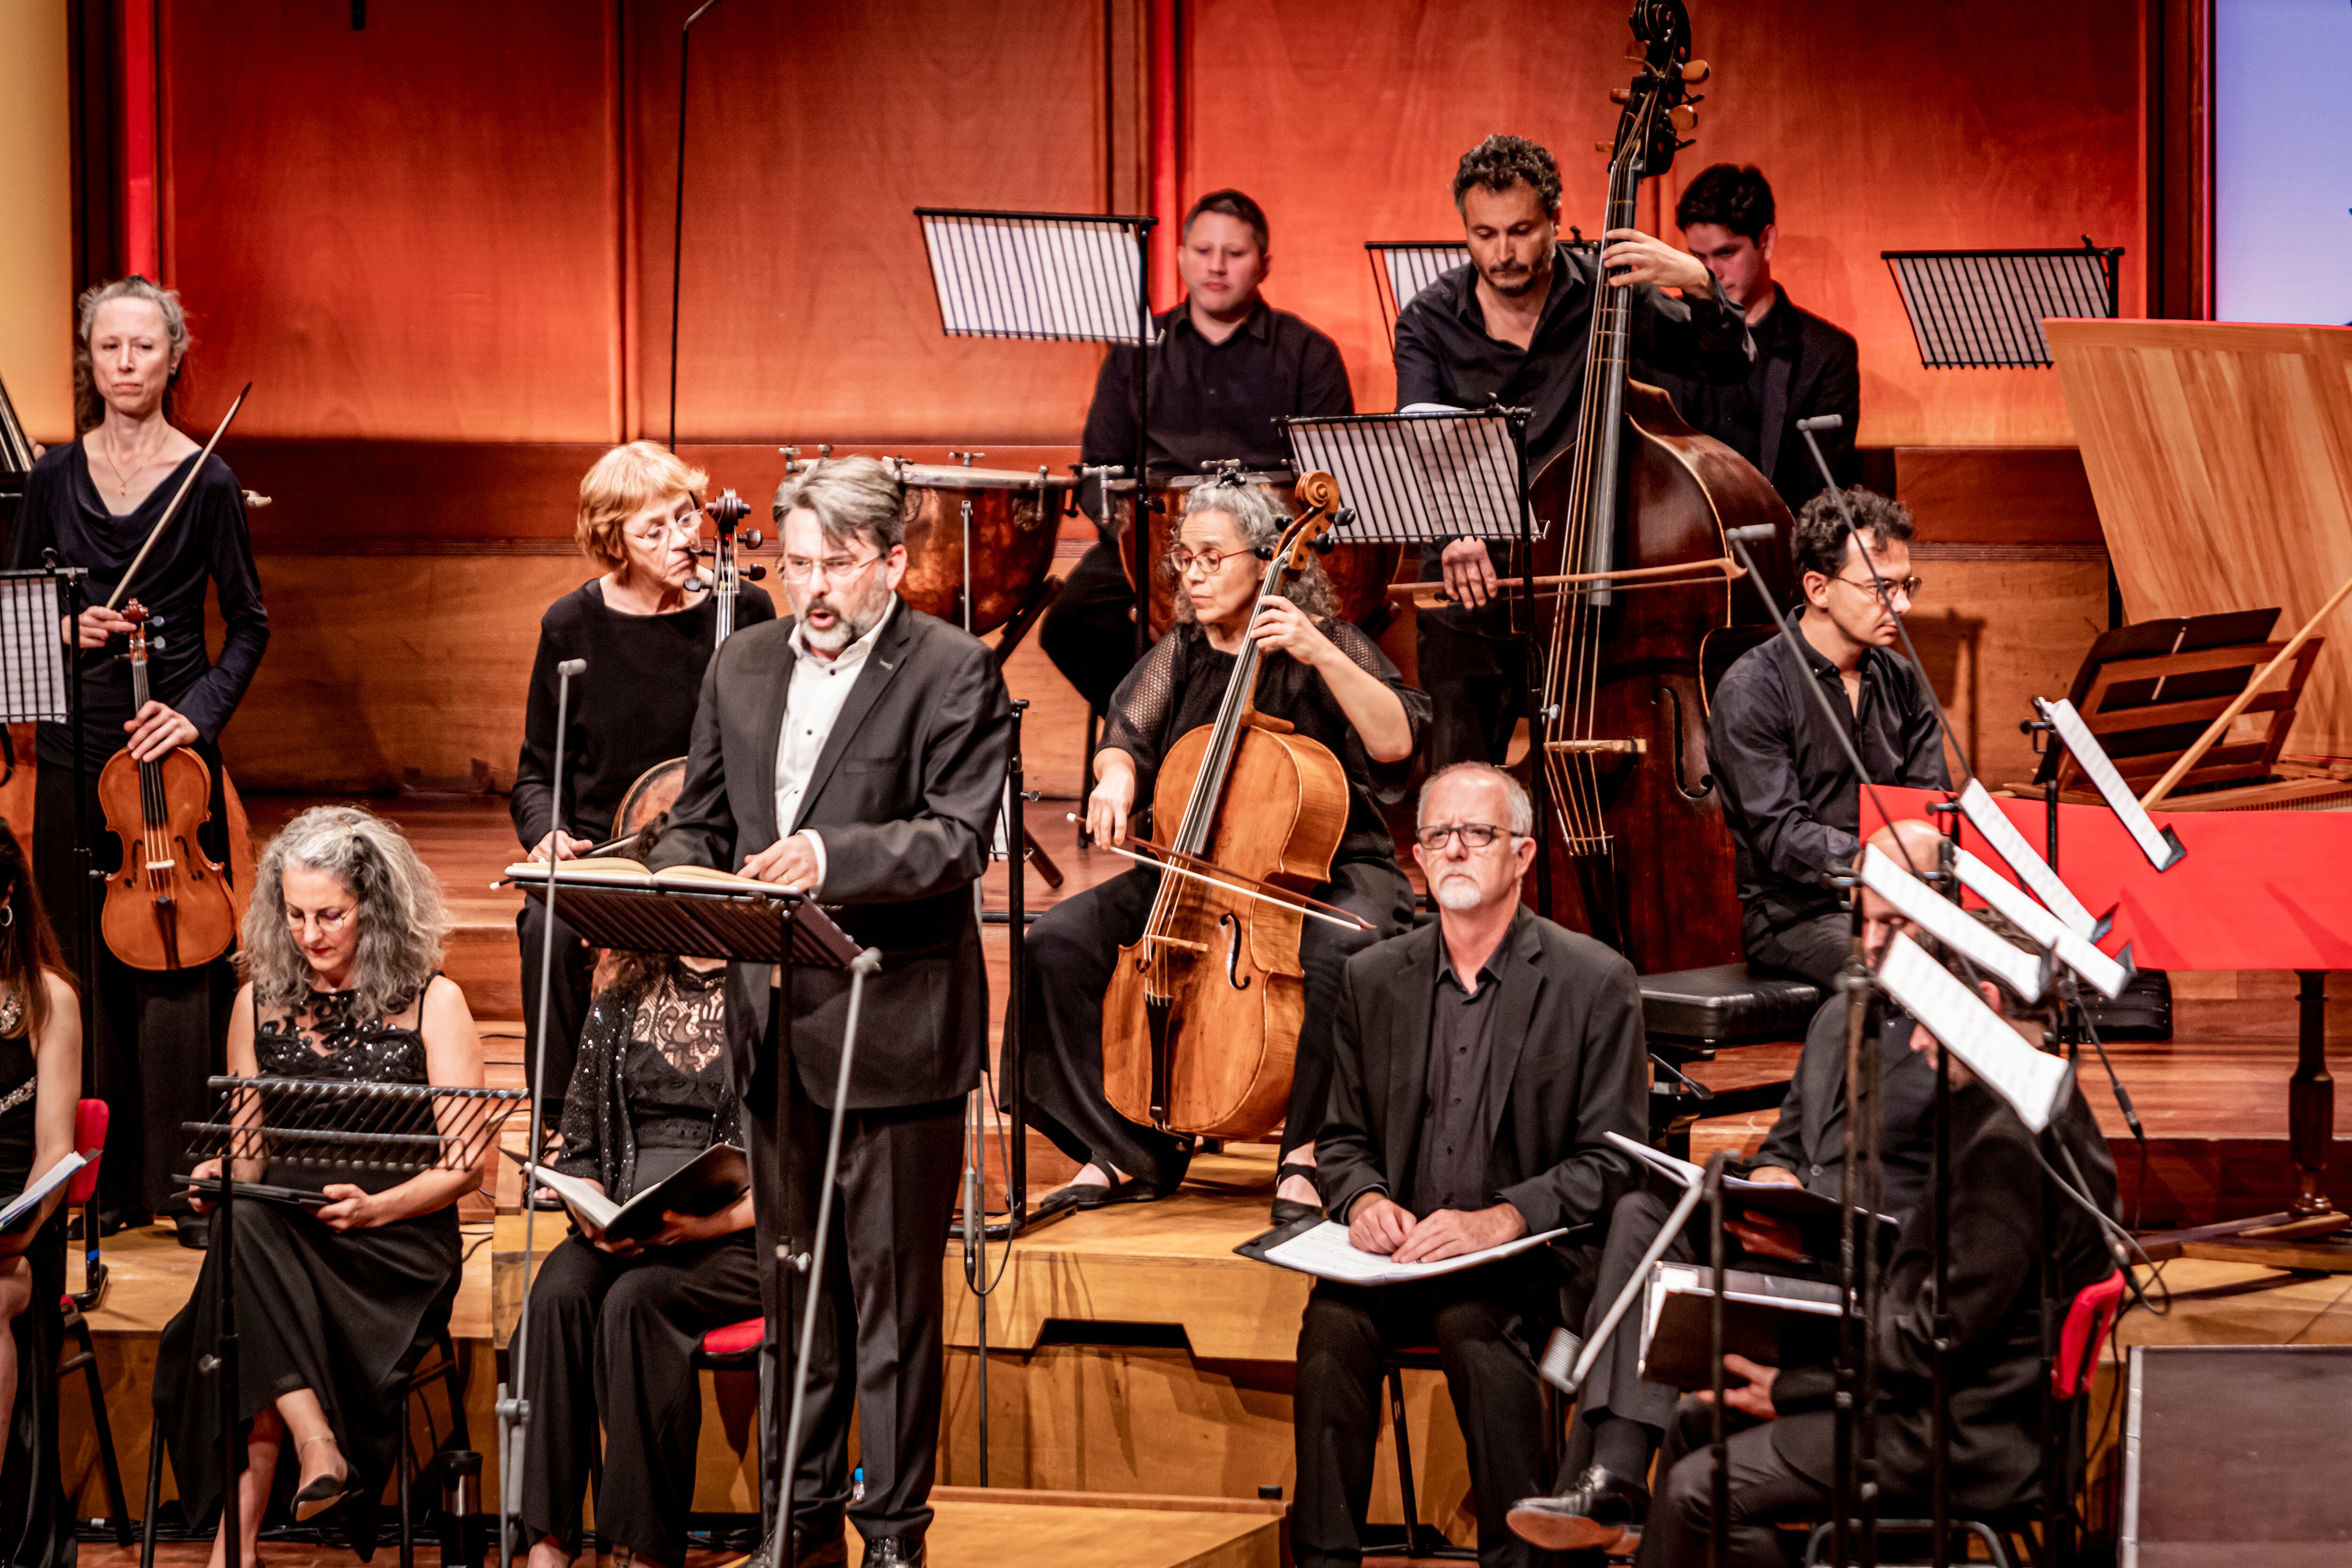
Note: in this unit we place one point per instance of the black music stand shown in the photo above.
(40, 682)
(774, 927)
(1415, 479)
(1982, 310)
(315, 1130)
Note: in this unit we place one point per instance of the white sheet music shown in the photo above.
(1950, 923)
(2001, 833)
(2092, 758)
(1014, 277)
(33, 670)
(2074, 950)
(2030, 1080)
(1325, 1252)
(1421, 474)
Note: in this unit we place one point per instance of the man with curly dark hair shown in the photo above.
(1804, 366)
(1789, 793)
(1511, 326)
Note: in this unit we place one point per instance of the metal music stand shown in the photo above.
(1420, 477)
(40, 682)
(1403, 267)
(1070, 277)
(1974, 310)
(770, 926)
(314, 1131)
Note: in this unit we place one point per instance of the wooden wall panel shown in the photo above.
(402, 232)
(813, 132)
(2012, 123)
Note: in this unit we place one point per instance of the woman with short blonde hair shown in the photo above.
(645, 628)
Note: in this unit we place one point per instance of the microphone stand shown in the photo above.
(514, 1405)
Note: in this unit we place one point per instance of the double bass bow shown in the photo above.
(1200, 1023)
(1640, 494)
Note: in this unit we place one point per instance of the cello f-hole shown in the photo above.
(1233, 976)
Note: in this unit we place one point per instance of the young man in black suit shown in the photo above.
(857, 751)
(1804, 367)
(1464, 1115)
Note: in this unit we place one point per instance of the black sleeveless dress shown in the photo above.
(36, 1528)
(344, 1314)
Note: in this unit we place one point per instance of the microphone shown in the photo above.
(1823, 421)
(573, 667)
(1753, 533)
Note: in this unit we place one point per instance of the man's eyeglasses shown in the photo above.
(1474, 835)
(835, 568)
(1907, 586)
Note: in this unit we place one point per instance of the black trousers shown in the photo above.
(1477, 689)
(1615, 1385)
(157, 1034)
(612, 1340)
(1071, 954)
(569, 992)
(1489, 1324)
(1089, 632)
(1814, 948)
(1764, 1487)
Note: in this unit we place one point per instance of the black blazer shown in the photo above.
(1567, 1066)
(905, 796)
(1808, 1137)
(1810, 366)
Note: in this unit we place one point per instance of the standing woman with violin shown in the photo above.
(94, 501)
(1321, 675)
(647, 629)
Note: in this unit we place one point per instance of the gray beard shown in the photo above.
(850, 621)
(1457, 892)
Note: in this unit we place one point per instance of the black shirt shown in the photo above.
(1790, 794)
(1214, 402)
(1444, 354)
(207, 545)
(1457, 1126)
(633, 707)
(1177, 687)
(1804, 366)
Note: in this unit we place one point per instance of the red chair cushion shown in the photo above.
(2088, 1322)
(735, 1339)
(89, 1143)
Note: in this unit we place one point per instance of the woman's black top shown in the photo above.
(326, 1040)
(1176, 688)
(19, 1092)
(650, 1090)
(633, 707)
(206, 543)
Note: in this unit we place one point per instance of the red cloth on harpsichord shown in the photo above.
(2258, 889)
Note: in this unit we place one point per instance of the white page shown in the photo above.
(2001, 835)
(56, 1177)
(1325, 1252)
(2074, 950)
(1950, 923)
(578, 1195)
(1981, 1038)
(2092, 758)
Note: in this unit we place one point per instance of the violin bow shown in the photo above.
(164, 521)
(1180, 864)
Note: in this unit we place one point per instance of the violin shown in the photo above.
(1642, 501)
(170, 906)
(1200, 1023)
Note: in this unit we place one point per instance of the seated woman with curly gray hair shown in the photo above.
(613, 1325)
(341, 951)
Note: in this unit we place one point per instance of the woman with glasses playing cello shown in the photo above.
(1322, 676)
(646, 628)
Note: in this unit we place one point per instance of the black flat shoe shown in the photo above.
(1596, 1513)
(194, 1231)
(1288, 1211)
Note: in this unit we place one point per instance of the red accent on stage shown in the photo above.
(2258, 889)
(140, 249)
(1167, 149)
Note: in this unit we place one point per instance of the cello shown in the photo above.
(1623, 702)
(1200, 1023)
(170, 906)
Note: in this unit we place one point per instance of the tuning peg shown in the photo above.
(752, 539)
(1683, 115)
(1604, 146)
(1621, 95)
(752, 574)
(1694, 71)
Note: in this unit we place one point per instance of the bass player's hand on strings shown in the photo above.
(1113, 798)
(1633, 257)
(1469, 573)
(157, 730)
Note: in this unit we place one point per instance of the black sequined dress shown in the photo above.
(347, 1314)
(36, 1528)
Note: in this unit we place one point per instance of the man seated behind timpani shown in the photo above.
(1477, 1063)
(1322, 675)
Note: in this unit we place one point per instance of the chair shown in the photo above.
(81, 1192)
(1690, 1014)
(448, 1367)
(740, 1347)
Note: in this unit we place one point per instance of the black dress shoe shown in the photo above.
(894, 1552)
(193, 1230)
(1598, 1512)
(1094, 1196)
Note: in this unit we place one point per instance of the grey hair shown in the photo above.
(1522, 809)
(401, 916)
(853, 498)
(1261, 520)
(90, 408)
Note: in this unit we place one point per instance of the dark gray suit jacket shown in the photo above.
(1567, 1064)
(905, 796)
(1809, 1137)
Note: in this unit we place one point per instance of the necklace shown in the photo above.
(123, 479)
(12, 1013)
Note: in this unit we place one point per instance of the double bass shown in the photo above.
(1200, 1023)
(1643, 498)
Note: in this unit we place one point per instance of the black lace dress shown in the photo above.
(650, 1092)
(36, 1528)
(347, 1314)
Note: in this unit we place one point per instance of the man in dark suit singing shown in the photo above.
(857, 751)
(1465, 1113)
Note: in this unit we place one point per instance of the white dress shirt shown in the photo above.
(814, 701)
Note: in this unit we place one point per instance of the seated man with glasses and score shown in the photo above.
(1789, 793)
(1332, 682)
